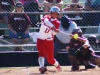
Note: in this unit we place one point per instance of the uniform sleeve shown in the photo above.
(86, 43)
(57, 24)
(10, 19)
(74, 25)
(13, 2)
(28, 19)
(47, 22)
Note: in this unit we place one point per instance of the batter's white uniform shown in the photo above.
(45, 43)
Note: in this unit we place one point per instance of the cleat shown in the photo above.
(90, 67)
(99, 66)
(42, 70)
(75, 69)
(59, 69)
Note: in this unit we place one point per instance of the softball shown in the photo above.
(76, 36)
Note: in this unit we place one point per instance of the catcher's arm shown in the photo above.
(80, 39)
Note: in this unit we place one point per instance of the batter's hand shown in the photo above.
(57, 30)
(54, 29)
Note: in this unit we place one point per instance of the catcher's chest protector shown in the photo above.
(75, 43)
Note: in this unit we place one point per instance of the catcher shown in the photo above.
(80, 50)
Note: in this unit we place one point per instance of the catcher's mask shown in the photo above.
(77, 31)
(65, 22)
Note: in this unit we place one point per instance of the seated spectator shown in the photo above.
(19, 25)
(6, 6)
(91, 19)
(74, 7)
(49, 3)
(32, 6)
(92, 5)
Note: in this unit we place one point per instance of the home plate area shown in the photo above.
(34, 70)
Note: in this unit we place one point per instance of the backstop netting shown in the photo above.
(88, 21)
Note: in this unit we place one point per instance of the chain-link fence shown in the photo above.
(87, 20)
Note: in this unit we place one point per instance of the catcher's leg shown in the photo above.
(74, 62)
(88, 65)
(95, 60)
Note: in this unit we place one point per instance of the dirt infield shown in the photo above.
(51, 71)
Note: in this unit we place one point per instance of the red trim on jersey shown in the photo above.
(56, 23)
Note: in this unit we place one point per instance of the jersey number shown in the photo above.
(47, 30)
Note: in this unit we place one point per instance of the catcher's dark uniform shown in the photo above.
(77, 53)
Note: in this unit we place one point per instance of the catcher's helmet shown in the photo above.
(77, 31)
(55, 9)
(65, 22)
